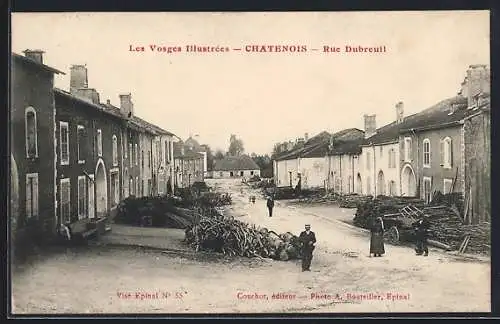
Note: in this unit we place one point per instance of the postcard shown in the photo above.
(250, 162)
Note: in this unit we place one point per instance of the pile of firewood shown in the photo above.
(235, 238)
(370, 209)
(353, 200)
(214, 199)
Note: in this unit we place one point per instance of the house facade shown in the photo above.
(32, 160)
(326, 161)
(189, 169)
(93, 154)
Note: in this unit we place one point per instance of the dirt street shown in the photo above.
(343, 277)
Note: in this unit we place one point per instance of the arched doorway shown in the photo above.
(359, 184)
(408, 182)
(14, 199)
(380, 183)
(101, 187)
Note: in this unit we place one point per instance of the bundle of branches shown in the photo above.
(233, 237)
(214, 199)
(369, 210)
(353, 200)
(454, 200)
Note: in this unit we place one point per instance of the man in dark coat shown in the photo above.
(270, 205)
(307, 240)
(421, 234)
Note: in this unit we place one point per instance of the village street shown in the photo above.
(343, 277)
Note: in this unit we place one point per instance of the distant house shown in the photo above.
(188, 165)
(235, 166)
(194, 146)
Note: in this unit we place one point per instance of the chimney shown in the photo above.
(370, 125)
(400, 113)
(78, 78)
(35, 55)
(477, 82)
(306, 137)
(89, 95)
(126, 105)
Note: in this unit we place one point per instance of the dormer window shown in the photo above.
(31, 133)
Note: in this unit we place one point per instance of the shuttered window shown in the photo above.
(115, 188)
(65, 198)
(136, 154)
(427, 189)
(31, 133)
(81, 143)
(64, 142)
(99, 142)
(447, 152)
(32, 195)
(82, 197)
(130, 154)
(407, 149)
(115, 150)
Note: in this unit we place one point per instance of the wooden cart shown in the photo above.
(399, 226)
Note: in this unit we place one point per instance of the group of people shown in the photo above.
(307, 238)
(421, 228)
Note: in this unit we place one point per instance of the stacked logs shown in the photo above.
(235, 238)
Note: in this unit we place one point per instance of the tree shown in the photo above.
(265, 164)
(219, 155)
(235, 146)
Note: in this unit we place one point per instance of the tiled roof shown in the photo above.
(318, 146)
(243, 162)
(436, 116)
(35, 63)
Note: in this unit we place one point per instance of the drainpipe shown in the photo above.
(417, 182)
(352, 170)
(374, 173)
(340, 166)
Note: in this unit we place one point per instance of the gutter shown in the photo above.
(424, 128)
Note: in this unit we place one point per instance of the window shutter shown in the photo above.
(450, 143)
(35, 196)
(28, 197)
(441, 151)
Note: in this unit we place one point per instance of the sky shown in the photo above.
(263, 98)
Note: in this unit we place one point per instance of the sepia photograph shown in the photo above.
(249, 162)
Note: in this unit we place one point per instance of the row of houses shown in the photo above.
(74, 158)
(443, 148)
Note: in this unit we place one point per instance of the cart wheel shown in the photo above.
(392, 235)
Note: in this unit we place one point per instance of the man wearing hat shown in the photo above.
(307, 240)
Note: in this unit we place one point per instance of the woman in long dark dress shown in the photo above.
(377, 238)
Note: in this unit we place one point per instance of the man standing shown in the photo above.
(307, 240)
(421, 234)
(270, 205)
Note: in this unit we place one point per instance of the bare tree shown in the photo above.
(235, 146)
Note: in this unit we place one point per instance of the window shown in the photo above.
(149, 159)
(427, 153)
(137, 192)
(142, 159)
(80, 143)
(407, 149)
(115, 151)
(447, 186)
(31, 195)
(82, 197)
(125, 187)
(143, 187)
(392, 159)
(251, 173)
(65, 197)
(392, 188)
(31, 133)
(221, 174)
(115, 187)
(446, 153)
(167, 153)
(99, 142)
(130, 154)
(427, 189)
(125, 145)
(368, 159)
(241, 173)
(64, 142)
(136, 154)
(131, 186)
